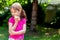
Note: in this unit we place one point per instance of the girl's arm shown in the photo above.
(12, 28)
(21, 31)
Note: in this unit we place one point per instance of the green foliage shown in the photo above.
(7, 3)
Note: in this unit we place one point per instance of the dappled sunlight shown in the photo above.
(54, 35)
(45, 28)
(2, 35)
(35, 37)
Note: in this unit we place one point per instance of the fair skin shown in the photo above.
(13, 27)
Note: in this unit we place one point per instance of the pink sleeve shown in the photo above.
(10, 20)
(24, 21)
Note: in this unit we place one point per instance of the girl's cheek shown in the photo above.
(17, 14)
(12, 14)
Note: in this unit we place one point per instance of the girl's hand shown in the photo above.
(16, 19)
(12, 32)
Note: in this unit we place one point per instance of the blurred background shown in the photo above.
(43, 19)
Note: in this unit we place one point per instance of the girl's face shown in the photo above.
(15, 12)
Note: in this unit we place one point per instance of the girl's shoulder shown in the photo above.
(24, 20)
(11, 19)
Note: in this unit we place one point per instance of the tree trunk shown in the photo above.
(34, 15)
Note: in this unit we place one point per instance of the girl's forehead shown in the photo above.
(15, 9)
(12, 9)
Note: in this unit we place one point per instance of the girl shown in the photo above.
(17, 23)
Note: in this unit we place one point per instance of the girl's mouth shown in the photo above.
(16, 16)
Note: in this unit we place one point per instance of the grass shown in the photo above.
(3, 33)
(44, 34)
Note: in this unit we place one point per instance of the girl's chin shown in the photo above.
(16, 16)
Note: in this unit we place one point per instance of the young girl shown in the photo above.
(17, 23)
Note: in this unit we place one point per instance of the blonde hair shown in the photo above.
(17, 6)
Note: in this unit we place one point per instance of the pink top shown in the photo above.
(19, 27)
